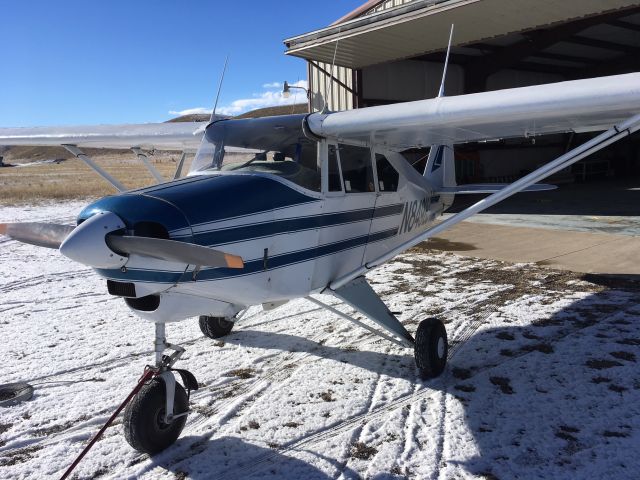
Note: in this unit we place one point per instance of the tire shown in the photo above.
(144, 428)
(431, 348)
(215, 327)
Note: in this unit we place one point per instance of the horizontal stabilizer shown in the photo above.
(473, 188)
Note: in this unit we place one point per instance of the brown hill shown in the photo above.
(194, 117)
(273, 111)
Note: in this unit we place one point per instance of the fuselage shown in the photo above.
(294, 241)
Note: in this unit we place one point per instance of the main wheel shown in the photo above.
(431, 347)
(144, 426)
(215, 327)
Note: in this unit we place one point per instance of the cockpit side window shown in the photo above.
(357, 173)
(387, 175)
(334, 171)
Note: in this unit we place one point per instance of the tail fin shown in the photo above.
(440, 171)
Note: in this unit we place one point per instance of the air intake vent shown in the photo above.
(121, 289)
(144, 304)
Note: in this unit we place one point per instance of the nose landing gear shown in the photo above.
(155, 417)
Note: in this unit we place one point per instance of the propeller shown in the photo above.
(93, 243)
(49, 235)
(173, 251)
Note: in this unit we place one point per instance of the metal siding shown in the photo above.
(320, 86)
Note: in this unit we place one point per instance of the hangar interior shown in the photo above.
(393, 51)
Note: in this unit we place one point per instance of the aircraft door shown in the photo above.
(349, 191)
(388, 209)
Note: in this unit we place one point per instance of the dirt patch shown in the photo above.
(505, 336)
(362, 451)
(599, 364)
(612, 434)
(617, 388)
(503, 383)
(46, 431)
(243, 373)
(444, 245)
(253, 425)
(465, 388)
(327, 396)
(292, 424)
(628, 356)
(19, 455)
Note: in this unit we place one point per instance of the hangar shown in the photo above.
(393, 51)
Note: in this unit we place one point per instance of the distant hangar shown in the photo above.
(393, 51)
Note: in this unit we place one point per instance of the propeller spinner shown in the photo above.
(95, 243)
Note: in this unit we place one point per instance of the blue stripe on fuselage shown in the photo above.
(291, 225)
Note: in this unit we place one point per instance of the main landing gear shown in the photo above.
(155, 417)
(215, 327)
(431, 348)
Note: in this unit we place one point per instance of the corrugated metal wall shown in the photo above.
(338, 97)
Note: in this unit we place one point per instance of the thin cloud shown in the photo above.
(191, 111)
(271, 97)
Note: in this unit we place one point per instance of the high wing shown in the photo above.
(578, 106)
(163, 136)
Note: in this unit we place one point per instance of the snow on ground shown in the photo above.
(542, 380)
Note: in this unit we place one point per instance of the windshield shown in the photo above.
(274, 145)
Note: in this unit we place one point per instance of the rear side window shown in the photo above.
(357, 173)
(387, 175)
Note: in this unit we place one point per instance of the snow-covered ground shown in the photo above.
(542, 381)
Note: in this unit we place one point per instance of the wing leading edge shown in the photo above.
(164, 136)
(581, 105)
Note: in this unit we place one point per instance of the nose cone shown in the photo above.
(87, 244)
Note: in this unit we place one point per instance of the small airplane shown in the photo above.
(286, 207)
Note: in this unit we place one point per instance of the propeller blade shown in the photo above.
(49, 235)
(173, 251)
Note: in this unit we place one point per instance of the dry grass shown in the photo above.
(72, 179)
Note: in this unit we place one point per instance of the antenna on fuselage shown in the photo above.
(215, 105)
(446, 65)
(325, 107)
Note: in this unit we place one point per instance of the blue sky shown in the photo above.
(85, 62)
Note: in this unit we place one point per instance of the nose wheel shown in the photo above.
(155, 417)
(146, 427)
(431, 348)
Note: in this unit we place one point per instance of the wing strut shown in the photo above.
(74, 150)
(142, 156)
(603, 140)
(179, 167)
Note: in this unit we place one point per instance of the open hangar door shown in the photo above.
(600, 45)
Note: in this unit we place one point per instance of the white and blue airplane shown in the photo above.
(286, 207)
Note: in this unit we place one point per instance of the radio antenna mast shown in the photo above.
(446, 65)
(215, 105)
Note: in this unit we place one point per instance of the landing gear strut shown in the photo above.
(155, 417)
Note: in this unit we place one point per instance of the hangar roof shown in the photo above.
(422, 27)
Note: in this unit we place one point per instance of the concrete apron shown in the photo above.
(576, 251)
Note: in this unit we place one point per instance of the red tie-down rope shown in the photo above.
(148, 374)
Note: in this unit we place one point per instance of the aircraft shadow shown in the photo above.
(559, 398)
(228, 457)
